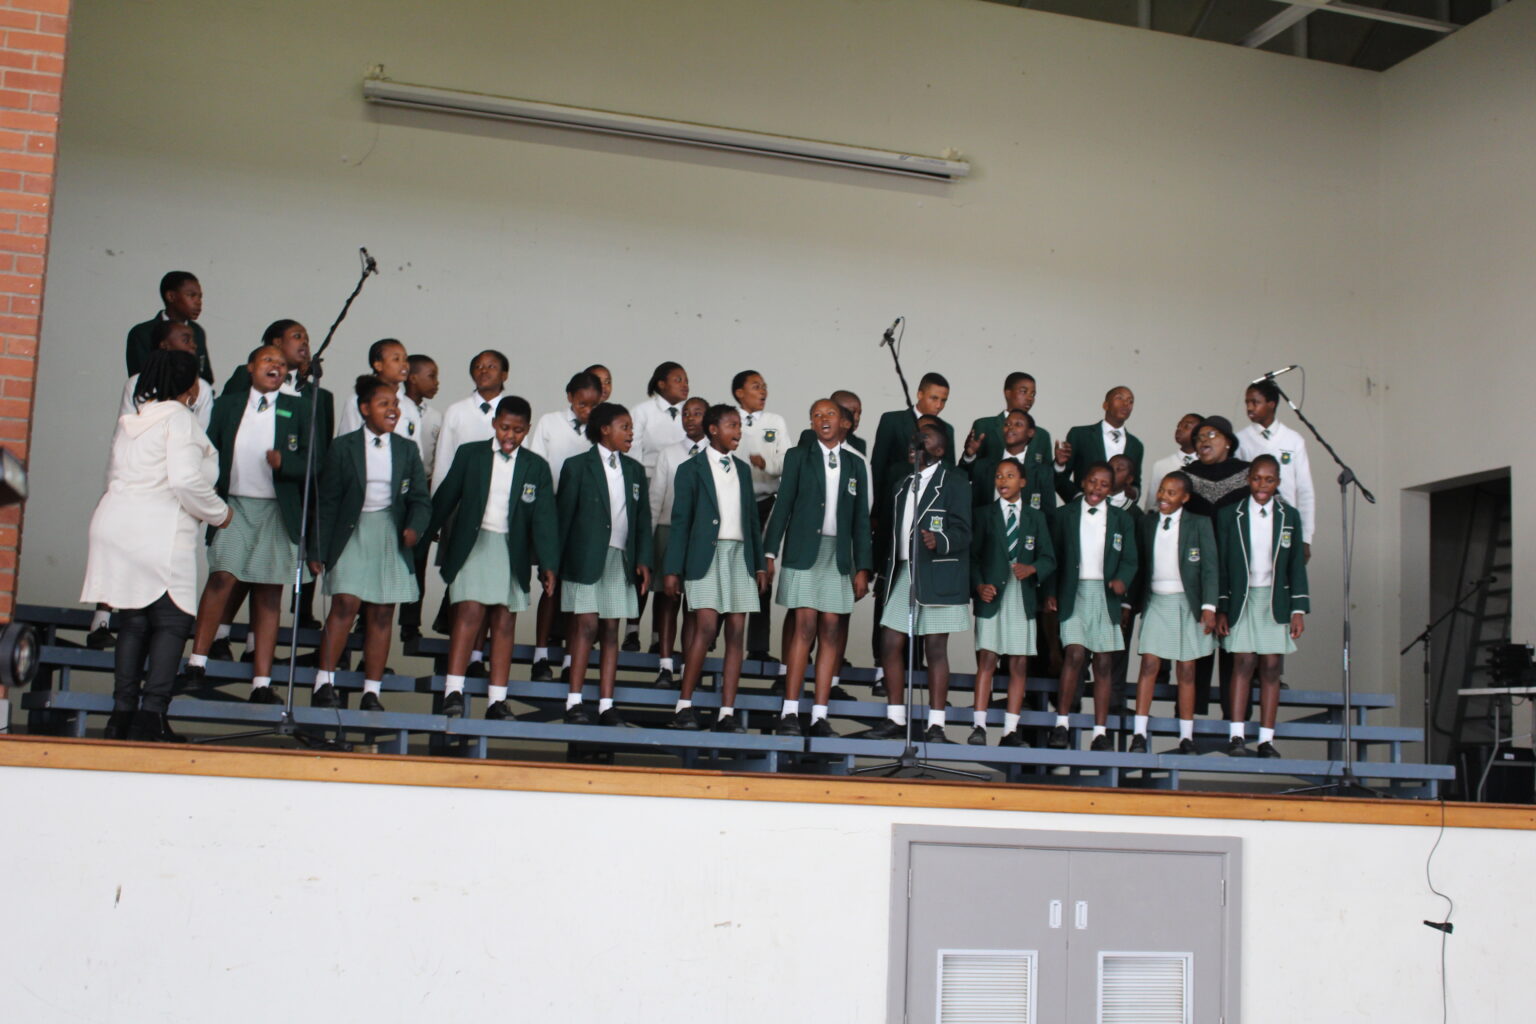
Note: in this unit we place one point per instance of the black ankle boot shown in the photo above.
(152, 727)
(118, 725)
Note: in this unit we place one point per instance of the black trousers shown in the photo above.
(149, 645)
(760, 622)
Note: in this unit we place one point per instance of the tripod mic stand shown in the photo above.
(285, 725)
(909, 759)
(1424, 638)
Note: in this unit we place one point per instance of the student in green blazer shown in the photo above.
(262, 478)
(940, 519)
(1264, 600)
(715, 557)
(1095, 567)
(497, 506)
(1177, 588)
(1011, 557)
(822, 521)
(183, 298)
(850, 408)
(374, 509)
(605, 552)
(1095, 443)
(1039, 485)
(1018, 393)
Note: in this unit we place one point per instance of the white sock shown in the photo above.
(197, 660)
(726, 711)
(497, 693)
(572, 700)
(1235, 729)
(565, 663)
(683, 705)
(979, 718)
(1099, 730)
(818, 712)
(791, 707)
(1186, 728)
(1010, 722)
(261, 681)
(222, 633)
(836, 680)
(101, 618)
(935, 717)
(1266, 735)
(373, 686)
(665, 663)
(324, 678)
(477, 656)
(879, 675)
(453, 684)
(1141, 725)
(541, 654)
(604, 704)
(896, 713)
(1061, 720)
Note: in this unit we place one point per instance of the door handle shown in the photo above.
(1081, 914)
(1055, 913)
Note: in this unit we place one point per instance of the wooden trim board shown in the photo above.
(399, 770)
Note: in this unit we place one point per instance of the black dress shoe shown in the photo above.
(978, 736)
(221, 650)
(191, 677)
(878, 689)
(631, 643)
(152, 727)
(886, 730)
(248, 657)
(325, 697)
(1101, 743)
(307, 621)
(1013, 739)
(655, 647)
(1138, 744)
(776, 688)
(838, 693)
(577, 714)
(453, 704)
(541, 671)
(100, 639)
(613, 718)
(499, 711)
(1058, 740)
(1235, 748)
(1267, 749)
(477, 670)
(118, 725)
(1187, 746)
(265, 695)
(935, 734)
(685, 718)
(759, 655)
(728, 723)
(664, 679)
(822, 729)
(410, 634)
(789, 725)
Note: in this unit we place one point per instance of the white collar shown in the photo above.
(925, 476)
(479, 399)
(1005, 504)
(716, 453)
(368, 435)
(1107, 427)
(496, 450)
(604, 452)
(1121, 500)
(744, 414)
(689, 442)
(664, 405)
(827, 452)
(1254, 507)
(1177, 516)
(255, 397)
(1105, 505)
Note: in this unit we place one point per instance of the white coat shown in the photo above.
(144, 534)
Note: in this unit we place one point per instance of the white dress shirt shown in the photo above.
(1161, 468)
(498, 501)
(1113, 445)
(663, 482)
(724, 468)
(1121, 500)
(431, 426)
(1290, 448)
(468, 420)
(657, 425)
(764, 433)
(1091, 530)
(556, 437)
(249, 474)
(378, 460)
(1261, 539)
(408, 426)
(202, 405)
(618, 508)
(905, 536)
(1166, 577)
(832, 465)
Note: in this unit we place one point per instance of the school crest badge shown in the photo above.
(410, 429)
(1285, 537)
(853, 486)
(293, 442)
(1194, 554)
(936, 524)
(1285, 458)
(1117, 542)
(634, 491)
(1034, 502)
(530, 493)
(770, 436)
(405, 485)
(1029, 543)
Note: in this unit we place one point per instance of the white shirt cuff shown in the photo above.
(1059, 469)
(967, 458)
(1207, 607)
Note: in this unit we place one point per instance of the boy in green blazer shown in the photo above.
(373, 511)
(1264, 600)
(1177, 587)
(1095, 567)
(1018, 393)
(497, 505)
(605, 552)
(715, 556)
(851, 407)
(1038, 489)
(182, 296)
(1088, 445)
(1011, 557)
(940, 519)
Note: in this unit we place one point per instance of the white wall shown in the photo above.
(169, 898)
(1145, 209)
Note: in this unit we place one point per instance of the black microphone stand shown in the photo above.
(285, 725)
(1424, 638)
(908, 759)
(1348, 784)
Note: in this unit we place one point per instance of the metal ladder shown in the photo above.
(1488, 622)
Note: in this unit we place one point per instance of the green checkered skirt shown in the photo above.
(254, 547)
(660, 539)
(486, 575)
(1170, 630)
(727, 587)
(373, 566)
(1257, 632)
(1091, 624)
(1011, 630)
(611, 597)
(820, 587)
(931, 619)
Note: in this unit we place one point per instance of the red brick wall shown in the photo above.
(31, 68)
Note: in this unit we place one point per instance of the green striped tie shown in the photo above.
(1013, 534)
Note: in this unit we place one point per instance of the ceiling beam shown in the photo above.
(1299, 9)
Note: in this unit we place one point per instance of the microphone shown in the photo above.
(370, 265)
(889, 337)
(1272, 374)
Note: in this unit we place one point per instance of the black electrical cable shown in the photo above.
(1443, 926)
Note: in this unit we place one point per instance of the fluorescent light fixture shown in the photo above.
(377, 89)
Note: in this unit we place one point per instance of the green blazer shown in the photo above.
(989, 556)
(808, 436)
(893, 437)
(1119, 555)
(458, 506)
(1199, 560)
(1039, 481)
(1288, 592)
(696, 518)
(944, 508)
(139, 347)
(345, 481)
(586, 521)
(797, 514)
(290, 439)
(240, 380)
(1087, 448)
(990, 430)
